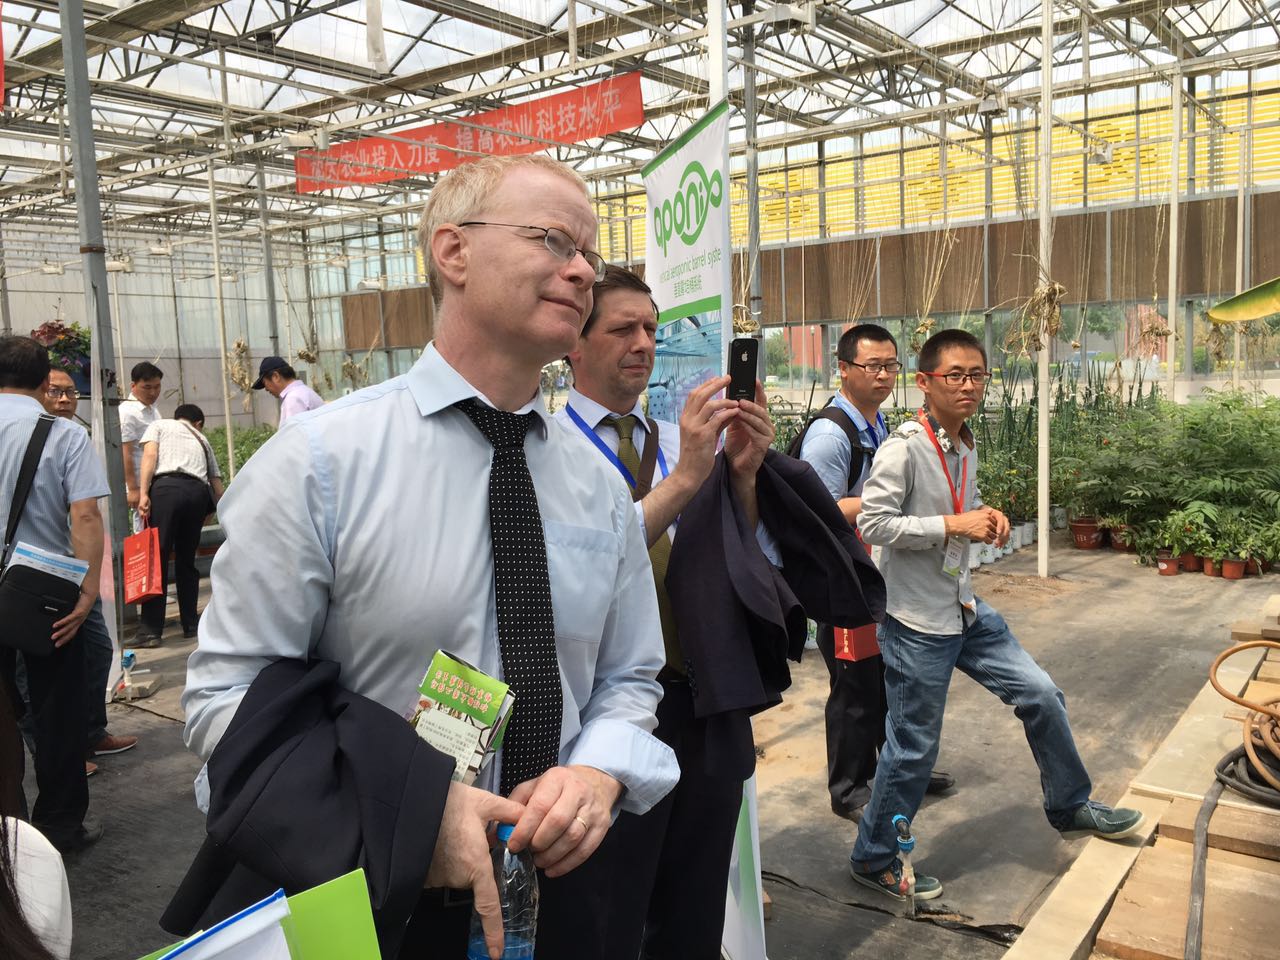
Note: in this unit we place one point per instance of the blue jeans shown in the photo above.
(918, 670)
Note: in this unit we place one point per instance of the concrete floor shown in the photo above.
(1129, 648)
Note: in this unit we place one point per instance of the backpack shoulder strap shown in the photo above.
(858, 453)
(26, 477)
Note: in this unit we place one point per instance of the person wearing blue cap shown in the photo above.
(279, 379)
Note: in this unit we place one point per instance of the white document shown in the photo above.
(68, 568)
(252, 934)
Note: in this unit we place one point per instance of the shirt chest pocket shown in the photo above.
(583, 565)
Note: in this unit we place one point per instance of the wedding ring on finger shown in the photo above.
(584, 824)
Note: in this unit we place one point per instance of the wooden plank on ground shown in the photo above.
(1259, 691)
(1245, 631)
(1255, 833)
(1064, 926)
(1270, 615)
(1149, 917)
(1269, 671)
(1270, 632)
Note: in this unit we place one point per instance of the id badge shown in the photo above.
(954, 559)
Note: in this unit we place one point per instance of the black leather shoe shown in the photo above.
(86, 835)
(940, 782)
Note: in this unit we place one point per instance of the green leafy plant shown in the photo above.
(247, 442)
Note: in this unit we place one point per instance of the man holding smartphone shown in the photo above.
(660, 878)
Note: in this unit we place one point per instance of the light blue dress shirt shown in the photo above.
(69, 470)
(826, 448)
(668, 442)
(360, 534)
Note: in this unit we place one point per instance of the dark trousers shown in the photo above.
(855, 717)
(98, 654)
(658, 881)
(179, 504)
(55, 687)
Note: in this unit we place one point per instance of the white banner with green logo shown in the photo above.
(687, 265)
(687, 261)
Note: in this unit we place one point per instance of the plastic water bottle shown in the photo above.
(518, 893)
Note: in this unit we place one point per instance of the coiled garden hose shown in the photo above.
(1251, 770)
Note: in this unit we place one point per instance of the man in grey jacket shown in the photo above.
(921, 506)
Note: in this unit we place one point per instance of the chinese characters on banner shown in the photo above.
(571, 117)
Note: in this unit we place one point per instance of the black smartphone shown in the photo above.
(744, 355)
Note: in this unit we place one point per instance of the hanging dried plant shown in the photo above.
(1042, 311)
(238, 371)
(921, 333)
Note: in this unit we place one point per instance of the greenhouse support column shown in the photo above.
(755, 293)
(222, 325)
(6, 324)
(1240, 204)
(94, 267)
(268, 272)
(1175, 174)
(1046, 252)
(717, 52)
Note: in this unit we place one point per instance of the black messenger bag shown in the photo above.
(31, 600)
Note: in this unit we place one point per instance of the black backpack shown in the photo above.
(833, 413)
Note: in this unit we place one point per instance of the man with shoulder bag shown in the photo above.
(48, 472)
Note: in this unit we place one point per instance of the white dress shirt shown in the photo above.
(593, 414)
(135, 417)
(361, 535)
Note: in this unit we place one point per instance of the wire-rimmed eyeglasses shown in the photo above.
(57, 393)
(556, 240)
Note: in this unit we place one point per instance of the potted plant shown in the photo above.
(1187, 534)
(69, 350)
(1233, 547)
(1117, 526)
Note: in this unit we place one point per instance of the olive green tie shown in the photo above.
(660, 552)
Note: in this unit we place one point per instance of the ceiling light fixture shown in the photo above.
(120, 264)
(52, 269)
(372, 283)
(162, 249)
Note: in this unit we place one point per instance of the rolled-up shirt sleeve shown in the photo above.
(882, 522)
(618, 722)
(271, 581)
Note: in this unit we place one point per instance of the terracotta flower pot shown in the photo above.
(1086, 533)
(1252, 567)
(1266, 566)
(1121, 541)
(1190, 563)
(1233, 568)
(1210, 568)
(1166, 563)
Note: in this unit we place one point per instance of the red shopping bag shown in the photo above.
(857, 644)
(142, 566)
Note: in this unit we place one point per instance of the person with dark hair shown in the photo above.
(137, 412)
(839, 444)
(672, 901)
(35, 900)
(68, 482)
(279, 379)
(99, 651)
(921, 507)
(181, 484)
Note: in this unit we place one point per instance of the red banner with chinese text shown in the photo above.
(571, 117)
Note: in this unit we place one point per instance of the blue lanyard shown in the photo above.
(609, 454)
(871, 432)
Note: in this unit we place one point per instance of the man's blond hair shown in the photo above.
(462, 194)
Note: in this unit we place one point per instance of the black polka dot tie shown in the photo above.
(526, 622)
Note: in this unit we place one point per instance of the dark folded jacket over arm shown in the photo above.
(309, 782)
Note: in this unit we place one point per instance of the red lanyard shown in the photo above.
(964, 474)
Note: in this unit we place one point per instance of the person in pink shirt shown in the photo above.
(281, 381)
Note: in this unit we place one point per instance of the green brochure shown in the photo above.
(462, 712)
(330, 922)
